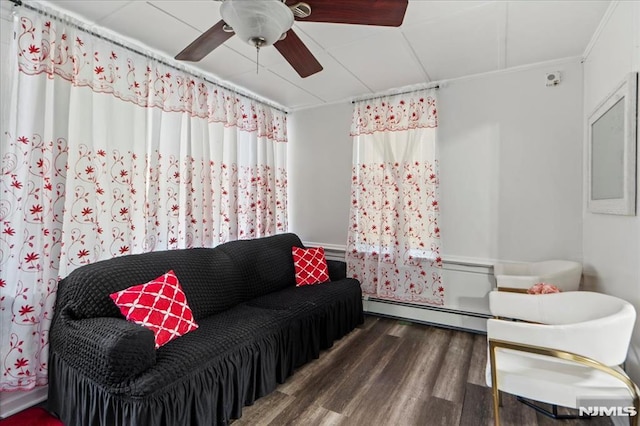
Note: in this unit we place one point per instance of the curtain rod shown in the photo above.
(437, 86)
(131, 49)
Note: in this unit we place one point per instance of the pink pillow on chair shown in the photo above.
(543, 288)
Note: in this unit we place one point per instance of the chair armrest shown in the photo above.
(108, 350)
(511, 269)
(337, 269)
(519, 306)
(605, 340)
(568, 307)
(517, 281)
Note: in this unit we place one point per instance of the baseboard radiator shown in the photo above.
(467, 285)
(14, 402)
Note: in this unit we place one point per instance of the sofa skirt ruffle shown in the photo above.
(217, 392)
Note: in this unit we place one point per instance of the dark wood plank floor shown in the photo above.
(389, 372)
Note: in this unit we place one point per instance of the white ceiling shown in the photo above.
(438, 40)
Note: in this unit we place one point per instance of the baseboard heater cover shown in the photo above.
(14, 402)
(426, 314)
(430, 307)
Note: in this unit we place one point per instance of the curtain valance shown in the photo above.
(416, 110)
(51, 47)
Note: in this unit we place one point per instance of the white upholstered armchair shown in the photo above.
(560, 348)
(564, 274)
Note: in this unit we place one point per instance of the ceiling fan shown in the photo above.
(268, 22)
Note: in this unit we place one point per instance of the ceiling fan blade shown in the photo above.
(298, 55)
(203, 45)
(389, 13)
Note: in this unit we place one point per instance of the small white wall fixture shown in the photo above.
(612, 133)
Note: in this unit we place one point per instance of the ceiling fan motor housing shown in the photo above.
(257, 20)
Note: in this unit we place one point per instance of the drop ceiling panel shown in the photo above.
(333, 35)
(201, 15)
(421, 11)
(95, 10)
(225, 62)
(466, 43)
(333, 83)
(141, 21)
(269, 85)
(536, 33)
(381, 62)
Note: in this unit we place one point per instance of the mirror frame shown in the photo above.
(627, 91)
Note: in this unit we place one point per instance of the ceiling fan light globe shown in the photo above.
(257, 19)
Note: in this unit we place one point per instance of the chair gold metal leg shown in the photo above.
(497, 399)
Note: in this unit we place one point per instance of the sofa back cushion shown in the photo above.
(85, 292)
(212, 279)
(266, 263)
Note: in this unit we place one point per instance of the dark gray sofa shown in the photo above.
(255, 328)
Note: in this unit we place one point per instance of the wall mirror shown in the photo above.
(612, 150)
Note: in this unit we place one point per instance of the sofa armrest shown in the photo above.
(107, 349)
(337, 269)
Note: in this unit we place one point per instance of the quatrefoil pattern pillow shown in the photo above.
(310, 266)
(160, 305)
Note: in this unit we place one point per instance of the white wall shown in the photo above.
(510, 167)
(612, 243)
(319, 163)
(510, 170)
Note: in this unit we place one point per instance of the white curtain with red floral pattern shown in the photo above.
(109, 153)
(393, 243)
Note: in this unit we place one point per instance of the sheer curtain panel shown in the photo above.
(393, 243)
(109, 153)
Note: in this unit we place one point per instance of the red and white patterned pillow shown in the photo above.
(160, 305)
(310, 265)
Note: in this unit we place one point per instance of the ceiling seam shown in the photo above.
(416, 57)
(596, 34)
(301, 30)
(328, 53)
(295, 85)
(104, 18)
(422, 23)
(173, 16)
(350, 72)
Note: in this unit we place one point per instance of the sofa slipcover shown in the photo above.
(255, 328)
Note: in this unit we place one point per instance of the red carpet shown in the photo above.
(34, 416)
